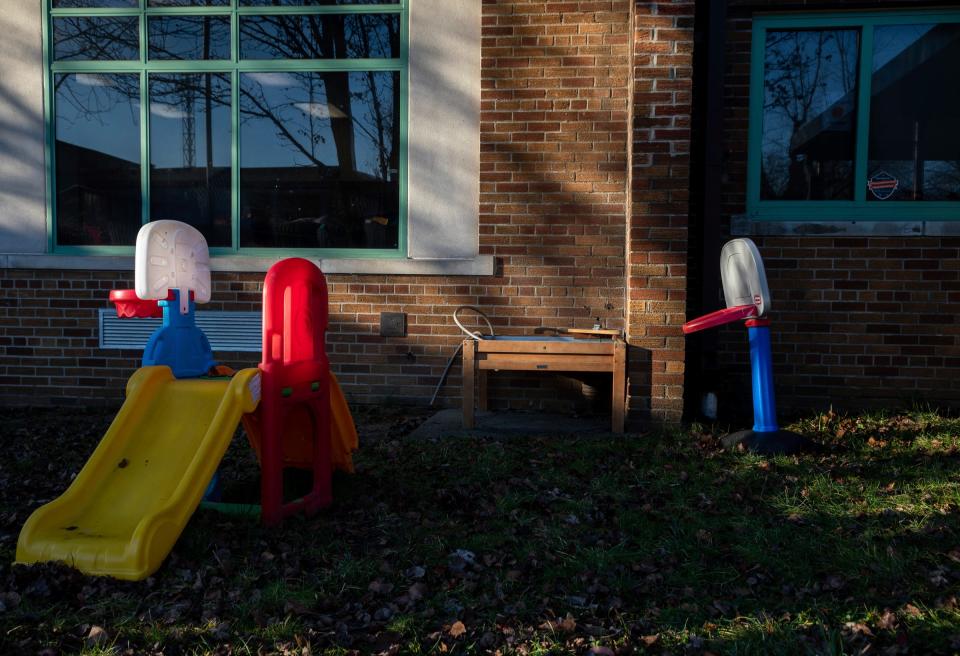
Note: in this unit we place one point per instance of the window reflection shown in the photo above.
(313, 3)
(322, 36)
(189, 37)
(100, 37)
(914, 144)
(809, 96)
(188, 3)
(190, 152)
(94, 4)
(319, 156)
(97, 154)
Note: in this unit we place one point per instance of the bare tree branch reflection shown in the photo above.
(805, 72)
(344, 125)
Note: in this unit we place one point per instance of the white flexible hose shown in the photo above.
(467, 332)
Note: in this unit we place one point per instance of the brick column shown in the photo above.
(657, 230)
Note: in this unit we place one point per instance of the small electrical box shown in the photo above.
(393, 324)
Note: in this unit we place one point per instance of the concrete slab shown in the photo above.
(449, 423)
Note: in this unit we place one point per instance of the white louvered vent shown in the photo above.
(227, 331)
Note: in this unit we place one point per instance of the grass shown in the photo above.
(646, 543)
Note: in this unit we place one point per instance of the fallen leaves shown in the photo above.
(564, 625)
(96, 636)
(594, 546)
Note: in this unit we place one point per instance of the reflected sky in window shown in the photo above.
(189, 37)
(344, 120)
(914, 144)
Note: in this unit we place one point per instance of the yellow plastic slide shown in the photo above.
(128, 505)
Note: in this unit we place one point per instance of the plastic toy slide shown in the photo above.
(128, 505)
(343, 436)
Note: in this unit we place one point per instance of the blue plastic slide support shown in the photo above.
(178, 343)
(761, 365)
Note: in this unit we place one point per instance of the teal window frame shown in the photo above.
(234, 67)
(858, 209)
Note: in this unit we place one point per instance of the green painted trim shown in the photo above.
(113, 66)
(95, 12)
(860, 208)
(93, 250)
(234, 67)
(856, 18)
(266, 65)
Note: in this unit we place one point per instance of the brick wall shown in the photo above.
(858, 321)
(662, 96)
(861, 322)
(554, 197)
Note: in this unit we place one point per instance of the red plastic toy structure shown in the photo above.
(295, 406)
(130, 306)
(720, 317)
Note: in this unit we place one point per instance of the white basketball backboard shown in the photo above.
(744, 280)
(172, 255)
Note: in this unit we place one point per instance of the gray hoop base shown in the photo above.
(774, 443)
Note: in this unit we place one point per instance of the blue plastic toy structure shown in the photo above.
(748, 298)
(179, 343)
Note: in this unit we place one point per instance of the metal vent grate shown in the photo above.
(227, 331)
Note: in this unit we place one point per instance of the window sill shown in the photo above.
(742, 226)
(482, 265)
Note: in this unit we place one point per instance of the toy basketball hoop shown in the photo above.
(747, 297)
(172, 255)
(173, 271)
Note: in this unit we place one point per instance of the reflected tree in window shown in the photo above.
(320, 36)
(319, 150)
(97, 184)
(319, 155)
(190, 152)
(189, 37)
(809, 102)
(96, 38)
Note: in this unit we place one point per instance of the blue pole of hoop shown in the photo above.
(761, 366)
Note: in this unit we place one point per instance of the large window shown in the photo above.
(854, 117)
(267, 124)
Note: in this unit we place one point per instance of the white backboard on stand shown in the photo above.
(172, 255)
(744, 280)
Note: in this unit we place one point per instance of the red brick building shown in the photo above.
(551, 162)
(865, 296)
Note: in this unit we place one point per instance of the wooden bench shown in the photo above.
(557, 354)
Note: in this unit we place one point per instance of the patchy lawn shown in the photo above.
(646, 544)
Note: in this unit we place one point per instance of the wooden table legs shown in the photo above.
(586, 355)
